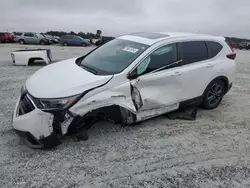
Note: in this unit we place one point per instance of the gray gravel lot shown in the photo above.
(212, 151)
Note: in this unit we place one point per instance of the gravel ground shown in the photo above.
(211, 152)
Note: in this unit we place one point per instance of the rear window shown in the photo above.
(213, 48)
(193, 51)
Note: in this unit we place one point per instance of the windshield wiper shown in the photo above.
(88, 69)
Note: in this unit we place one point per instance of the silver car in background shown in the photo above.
(30, 38)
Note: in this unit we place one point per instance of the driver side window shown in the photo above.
(161, 57)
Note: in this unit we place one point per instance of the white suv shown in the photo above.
(129, 79)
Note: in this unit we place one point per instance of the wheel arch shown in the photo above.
(33, 59)
(113, 112)
(224, 79)
(22, 40)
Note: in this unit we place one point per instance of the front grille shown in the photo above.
(25, 105)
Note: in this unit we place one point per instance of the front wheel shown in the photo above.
(213, 95)
(21, 41)
(84, 45)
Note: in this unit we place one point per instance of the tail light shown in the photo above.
(233, 54)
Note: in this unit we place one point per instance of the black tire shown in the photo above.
(65, 44)
(84, 45)
(21, 41)
(42, 42)
(213, 95)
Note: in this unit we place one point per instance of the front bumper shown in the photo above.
(34, 125)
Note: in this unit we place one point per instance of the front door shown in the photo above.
(157, 88)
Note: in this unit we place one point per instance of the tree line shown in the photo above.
(87, 35)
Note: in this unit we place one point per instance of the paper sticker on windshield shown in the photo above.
(129, 49)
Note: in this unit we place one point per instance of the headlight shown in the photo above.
(23, 90)
(56, 104)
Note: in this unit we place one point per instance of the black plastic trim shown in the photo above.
(50, 141)
(197, 101)
(29, 137)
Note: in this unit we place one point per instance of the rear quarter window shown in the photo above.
(19, 34)
(214, 48)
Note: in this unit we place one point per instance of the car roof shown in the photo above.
(150, 38)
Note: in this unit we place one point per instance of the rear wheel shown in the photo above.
(65, 44)
(213, 94)
(84, 45)
(42, 42)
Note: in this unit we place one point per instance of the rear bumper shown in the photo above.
(229, 88)
(35, 127)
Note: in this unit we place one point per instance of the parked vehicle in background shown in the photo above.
(56, 39)
(30, 38)
(30, 56)
(51, 39)
(6, 37)
(73, 40)
(2, 37)
(244, 45)
(9, 37)
(127, 80)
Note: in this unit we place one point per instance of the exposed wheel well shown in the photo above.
(113, 113)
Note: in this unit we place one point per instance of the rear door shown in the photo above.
(27, 38)
(70, 40)
(34, 38)
(77, 41)
(198, 67)
(158, 85)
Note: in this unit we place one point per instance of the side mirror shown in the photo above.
(133, 74)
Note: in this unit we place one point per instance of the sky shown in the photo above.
(117, 17)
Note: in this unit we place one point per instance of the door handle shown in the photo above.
(209, 65)
(177, 73)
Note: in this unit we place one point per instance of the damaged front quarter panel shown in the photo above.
(110, 102)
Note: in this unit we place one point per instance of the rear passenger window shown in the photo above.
(213, 48)
(26, 34)
(193, 51)
(19, 34)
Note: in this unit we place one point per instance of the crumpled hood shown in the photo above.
(63, 79)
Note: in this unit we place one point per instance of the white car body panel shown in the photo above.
(119, 95)
(48, 82)
(22, 57)
(146, 96)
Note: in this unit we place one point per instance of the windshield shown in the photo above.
(113, 57)
(80, 37)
